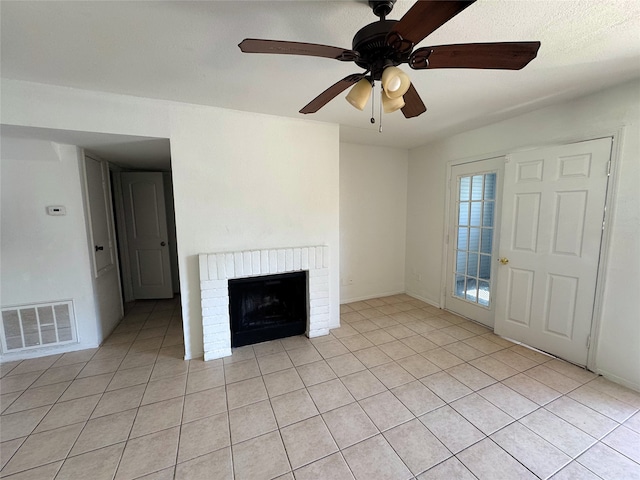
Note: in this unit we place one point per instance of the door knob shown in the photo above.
(99, 247)
(162, 244)
(503, 260)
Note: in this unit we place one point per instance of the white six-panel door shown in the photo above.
(146, 220)
(550, 238)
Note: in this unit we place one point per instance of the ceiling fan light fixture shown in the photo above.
(359, 95)
(390, 105)
(395, 82)
(381, 46)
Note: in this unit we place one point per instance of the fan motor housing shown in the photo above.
(374, 52)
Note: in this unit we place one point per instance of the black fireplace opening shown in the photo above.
(267, 307)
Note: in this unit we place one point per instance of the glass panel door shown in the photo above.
(473, 218)
(474, 238)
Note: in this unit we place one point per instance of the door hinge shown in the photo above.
(609, 168)
(589, 341)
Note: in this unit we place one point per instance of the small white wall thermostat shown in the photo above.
(56, 210)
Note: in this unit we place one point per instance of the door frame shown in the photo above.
(121, 231)
(153, 241)
(450, 242)
(121, 235)
(447, 217)
(617, 137)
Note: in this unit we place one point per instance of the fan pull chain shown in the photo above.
(373, 120)
(381, 93)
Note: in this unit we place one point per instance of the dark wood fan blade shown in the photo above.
(413, 105)
(501, 56)
(332, 92)
(424, 18)
(255, 45)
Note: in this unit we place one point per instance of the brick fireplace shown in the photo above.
(216, 269)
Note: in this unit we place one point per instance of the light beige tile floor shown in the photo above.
(401, 391)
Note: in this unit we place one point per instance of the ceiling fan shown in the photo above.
(383, 45)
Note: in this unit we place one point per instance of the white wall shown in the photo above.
(240, 180)
(45, 258)
(108, 297)
(246, 181)
(604, 113)
(373, 212)
(171, 230)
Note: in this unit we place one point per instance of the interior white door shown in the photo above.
(474, 204)
(100, 216)
(147, 238)
(550, 240)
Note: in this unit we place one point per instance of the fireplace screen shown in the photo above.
(268, 307)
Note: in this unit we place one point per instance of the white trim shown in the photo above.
(369, 297)
(620, 380)
(122, 245)
(433, 303)
(617, 140)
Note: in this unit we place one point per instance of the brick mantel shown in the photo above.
(216, 269)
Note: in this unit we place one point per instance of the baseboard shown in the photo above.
(617, 379)
(433, 303)
(194, 355)
(44, 352)
(369, 297)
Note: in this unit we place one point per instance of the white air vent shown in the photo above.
(35, 326)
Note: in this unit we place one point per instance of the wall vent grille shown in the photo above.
(27, 327)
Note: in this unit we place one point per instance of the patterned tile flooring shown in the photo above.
(401, 391)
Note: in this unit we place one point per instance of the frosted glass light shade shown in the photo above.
(395, 82)
(359, 94)
(390, 105)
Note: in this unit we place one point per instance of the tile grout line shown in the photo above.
(51, 408)
(126, 441)
(393, 361)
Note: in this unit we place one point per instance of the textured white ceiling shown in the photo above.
(187, 51)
